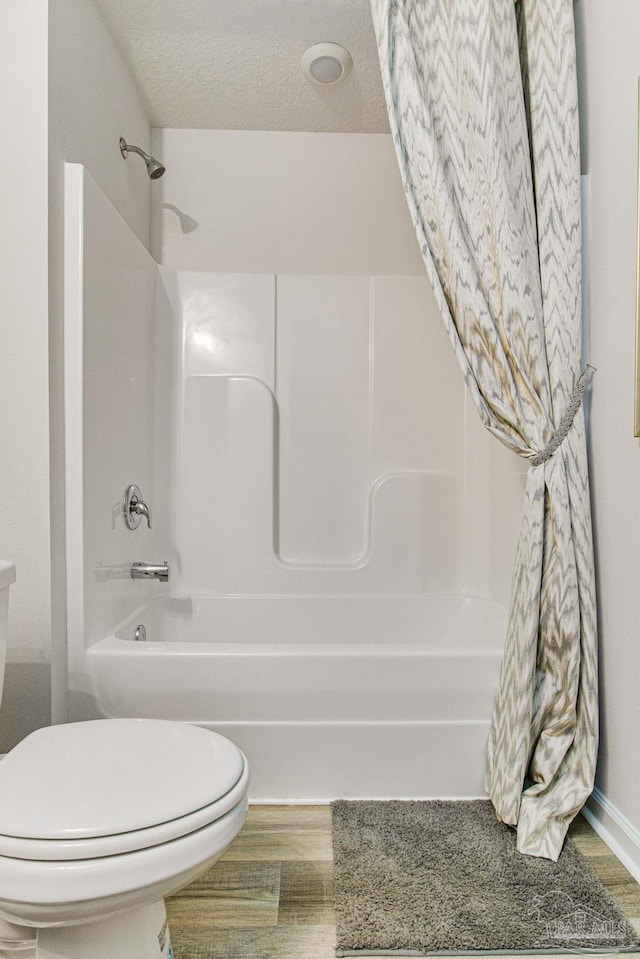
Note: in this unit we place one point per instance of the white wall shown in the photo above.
(65, 93)
(24, 424)
(93, 101)
(609, 67)
(266, 202)
(58, 59)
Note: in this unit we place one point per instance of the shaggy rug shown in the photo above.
(413, 878)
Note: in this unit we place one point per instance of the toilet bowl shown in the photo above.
(99, 821)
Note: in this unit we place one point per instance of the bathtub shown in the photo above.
(328, 696)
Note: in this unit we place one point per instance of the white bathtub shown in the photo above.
(329, 696)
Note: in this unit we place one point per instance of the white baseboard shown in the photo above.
(622, 838)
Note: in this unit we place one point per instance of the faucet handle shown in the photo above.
(142, 509)
(134, 508)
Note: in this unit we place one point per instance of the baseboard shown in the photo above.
(622, 838)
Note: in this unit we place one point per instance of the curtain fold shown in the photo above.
(482, 102)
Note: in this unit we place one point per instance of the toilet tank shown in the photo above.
(7, 577)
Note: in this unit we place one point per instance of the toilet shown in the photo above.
(100, 820)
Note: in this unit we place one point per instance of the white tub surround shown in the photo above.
(325, 500)
(118, 407)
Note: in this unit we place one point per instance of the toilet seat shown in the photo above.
(96, 848)
(43, 893)
(75, 791)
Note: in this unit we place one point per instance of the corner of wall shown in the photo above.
(620, 835)
(93, 100)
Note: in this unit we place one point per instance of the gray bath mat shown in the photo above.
(412, 878)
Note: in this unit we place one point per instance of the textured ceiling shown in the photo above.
(235, 64)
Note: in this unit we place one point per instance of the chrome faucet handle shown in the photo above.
(134, 508)
(142, 509)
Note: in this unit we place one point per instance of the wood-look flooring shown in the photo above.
(271, 894)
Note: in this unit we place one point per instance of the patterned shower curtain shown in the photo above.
(482, 102)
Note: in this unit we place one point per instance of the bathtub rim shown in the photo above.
(112, 642)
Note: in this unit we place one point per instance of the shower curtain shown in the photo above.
(482, 102)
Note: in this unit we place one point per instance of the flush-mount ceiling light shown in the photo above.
(326, 63)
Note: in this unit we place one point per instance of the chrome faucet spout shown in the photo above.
(150, 571)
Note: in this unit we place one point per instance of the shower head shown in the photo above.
(155, 169)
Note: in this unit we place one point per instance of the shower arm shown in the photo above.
(130, 148)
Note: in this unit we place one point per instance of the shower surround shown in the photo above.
(331, 511)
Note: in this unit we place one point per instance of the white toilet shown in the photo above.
(100, 820)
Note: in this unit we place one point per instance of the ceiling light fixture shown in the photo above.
(326, 63)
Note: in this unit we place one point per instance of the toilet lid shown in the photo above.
(112, 776)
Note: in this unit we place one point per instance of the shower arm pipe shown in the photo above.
(130, 148)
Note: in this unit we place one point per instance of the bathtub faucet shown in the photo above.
(150, 571)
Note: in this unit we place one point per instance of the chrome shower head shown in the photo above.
(155, 169)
